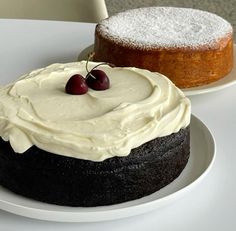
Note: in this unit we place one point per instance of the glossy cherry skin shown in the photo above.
(97, 80)
(76, 85)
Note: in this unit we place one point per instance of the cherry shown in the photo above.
(76, 85)
(97, 80)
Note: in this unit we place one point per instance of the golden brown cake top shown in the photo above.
(165, 27)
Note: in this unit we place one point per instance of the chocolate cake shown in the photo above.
(74, 182)
(106, 154)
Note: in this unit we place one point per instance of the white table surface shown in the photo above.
(27, 44)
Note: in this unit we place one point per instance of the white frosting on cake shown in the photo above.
(138, 107)
(158, 27)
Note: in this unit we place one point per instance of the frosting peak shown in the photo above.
(138, 107)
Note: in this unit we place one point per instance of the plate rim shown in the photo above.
(220, 84)
(93, 214)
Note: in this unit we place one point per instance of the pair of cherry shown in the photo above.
(95, 79)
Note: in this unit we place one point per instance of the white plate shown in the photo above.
(199, 164)
(227, 81)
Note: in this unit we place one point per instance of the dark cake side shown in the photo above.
(69, 181)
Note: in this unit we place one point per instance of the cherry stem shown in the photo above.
(90, 56)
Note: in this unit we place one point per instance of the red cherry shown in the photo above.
(97, 80)
(76, 85)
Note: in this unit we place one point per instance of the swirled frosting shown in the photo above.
(138, 107)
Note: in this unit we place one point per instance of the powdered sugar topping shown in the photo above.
(165, 27)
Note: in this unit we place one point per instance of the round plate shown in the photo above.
(227, 81)
(201, 159)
